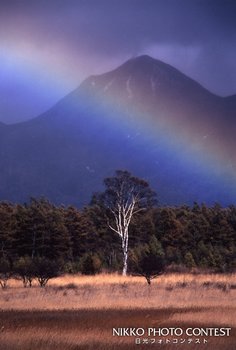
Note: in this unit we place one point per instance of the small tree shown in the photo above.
(45, 269)
(148, 261)
(150, 266)
(90, 264)
(189, 260)
(5, 272)
(124, 196)
(25, 269)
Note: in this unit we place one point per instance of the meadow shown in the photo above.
(79, 312)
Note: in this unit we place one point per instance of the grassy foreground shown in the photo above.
(78, 312)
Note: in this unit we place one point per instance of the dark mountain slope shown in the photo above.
(146, 117)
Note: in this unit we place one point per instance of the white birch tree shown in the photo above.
(125, 196)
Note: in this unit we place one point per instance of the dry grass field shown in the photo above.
(79, 312)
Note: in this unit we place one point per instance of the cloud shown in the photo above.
(124, 25)
(82, 37)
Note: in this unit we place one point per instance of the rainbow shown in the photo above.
(162, 139)
(209, 168)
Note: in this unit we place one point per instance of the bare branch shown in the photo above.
(113, 229)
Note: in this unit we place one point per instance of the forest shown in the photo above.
(41, 240)
(81, 241)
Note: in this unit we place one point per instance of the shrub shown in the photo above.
(25, 269)
(150, 266)
(90, 264)
(45, 269)
(5, 272)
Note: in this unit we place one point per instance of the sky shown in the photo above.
(47, 47)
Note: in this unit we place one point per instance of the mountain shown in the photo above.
(146, 117)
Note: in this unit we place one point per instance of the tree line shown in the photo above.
(122, 228)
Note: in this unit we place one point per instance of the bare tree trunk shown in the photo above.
(125, 265)
(125, 243)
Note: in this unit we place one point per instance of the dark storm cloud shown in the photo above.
(83, 37)
(117, 25)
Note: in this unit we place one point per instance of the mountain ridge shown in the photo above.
(124, 119)
(138, 60)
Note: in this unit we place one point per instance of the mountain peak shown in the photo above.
(145, 76)
(143, 58)
(144, 61)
